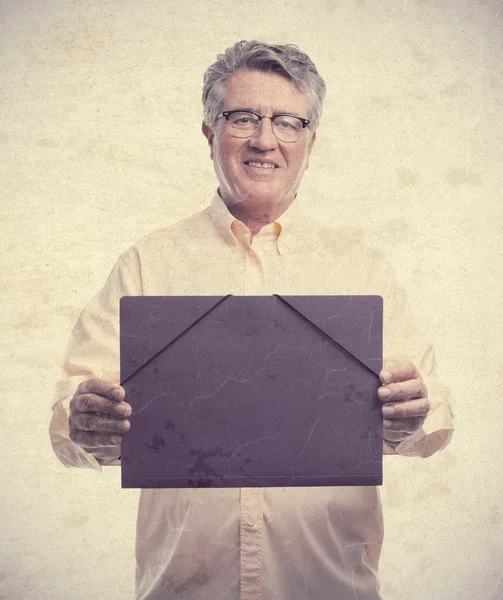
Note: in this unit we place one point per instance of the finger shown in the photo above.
(402, 425)
(409, 408)
(102, 387)
(94, 403)
(395, 436)
(91, 440)
(398, 369)
(99, 423)
(405, 390)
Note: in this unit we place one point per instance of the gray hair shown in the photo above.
(285, 60)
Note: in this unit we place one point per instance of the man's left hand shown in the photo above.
(405, 399)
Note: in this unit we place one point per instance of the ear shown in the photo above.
(209, 134)
(310, 147)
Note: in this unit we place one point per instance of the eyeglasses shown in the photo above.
(244, 123)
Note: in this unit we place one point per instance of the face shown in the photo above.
(235, 159)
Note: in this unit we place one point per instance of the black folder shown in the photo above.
(251, 391)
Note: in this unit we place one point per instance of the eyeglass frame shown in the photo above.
(227, 113)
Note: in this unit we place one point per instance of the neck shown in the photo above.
(255, 217)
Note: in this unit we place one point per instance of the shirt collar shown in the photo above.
(224, 221)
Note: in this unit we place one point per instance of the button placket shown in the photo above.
(251, 543)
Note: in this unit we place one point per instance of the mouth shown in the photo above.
(260, 165)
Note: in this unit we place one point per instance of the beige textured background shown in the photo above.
(100, 143)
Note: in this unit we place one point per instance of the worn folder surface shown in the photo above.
(245, 391)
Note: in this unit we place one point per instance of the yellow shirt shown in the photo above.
(251, 543)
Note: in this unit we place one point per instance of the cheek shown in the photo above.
(227, 165)
(226, 158)
(299, 161)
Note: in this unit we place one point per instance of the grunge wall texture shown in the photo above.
(100, 143)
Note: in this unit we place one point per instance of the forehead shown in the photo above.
(265, 93)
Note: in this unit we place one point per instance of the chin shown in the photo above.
(266, 195)
(256, 195)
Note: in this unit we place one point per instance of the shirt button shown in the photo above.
(251, 521)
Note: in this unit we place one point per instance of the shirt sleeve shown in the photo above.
(403, 338)
(92, 351)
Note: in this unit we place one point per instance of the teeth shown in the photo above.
(254, 163)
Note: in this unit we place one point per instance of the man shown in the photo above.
(262, 106)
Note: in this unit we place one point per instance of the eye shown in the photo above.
(284, 124)
(288, 123)
(242, 119)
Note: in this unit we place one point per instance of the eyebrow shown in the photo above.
(279, 112)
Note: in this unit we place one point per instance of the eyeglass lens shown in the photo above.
(285, 128)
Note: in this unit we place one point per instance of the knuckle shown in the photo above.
(84, 386)
(78, 437)
(107, 440)
(394, 424)
(404, 425)
(100, 440)
(74, 421)
(91, 385)
(115, 440)
(87, 423)
(85, 401)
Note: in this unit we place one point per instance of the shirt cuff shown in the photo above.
(68, 452)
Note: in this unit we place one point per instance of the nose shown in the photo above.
(264, 138)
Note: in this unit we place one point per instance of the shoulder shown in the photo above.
(169, 253)
(176, 233)
(175, 237)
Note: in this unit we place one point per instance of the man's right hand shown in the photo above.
(98, 418)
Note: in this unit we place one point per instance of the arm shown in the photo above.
(421, 422)
(92, 353)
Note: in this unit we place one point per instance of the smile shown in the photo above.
(260, 165)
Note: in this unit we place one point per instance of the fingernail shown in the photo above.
(116, 439)
(387, 411)
(124, 410)
(384, 394)
(386, 376)
(117, 394)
